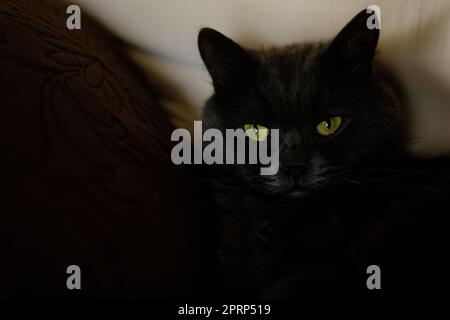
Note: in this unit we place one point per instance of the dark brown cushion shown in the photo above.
(85, 167)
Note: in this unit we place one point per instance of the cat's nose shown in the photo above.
(293, 163)
(293, 159)
(296, 173)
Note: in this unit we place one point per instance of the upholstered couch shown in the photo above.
(86, 176)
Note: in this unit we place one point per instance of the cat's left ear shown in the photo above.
(229, 65)
(353, 49)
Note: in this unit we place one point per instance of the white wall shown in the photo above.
(415, 39)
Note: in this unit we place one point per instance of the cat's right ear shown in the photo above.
(229, 65)
(353, 49)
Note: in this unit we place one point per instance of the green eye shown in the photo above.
(256, 132)
(328, 127)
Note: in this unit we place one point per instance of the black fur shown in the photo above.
(338, 203)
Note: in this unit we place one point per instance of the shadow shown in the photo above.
(426, 87)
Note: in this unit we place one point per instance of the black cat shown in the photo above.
(347, 195)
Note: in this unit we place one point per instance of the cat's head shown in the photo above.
(332, 112)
